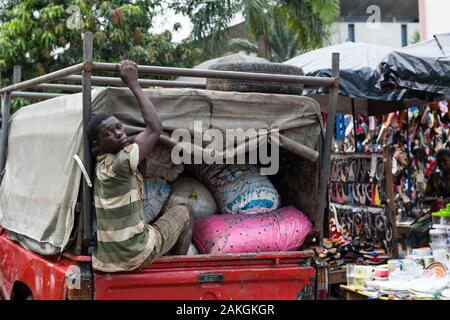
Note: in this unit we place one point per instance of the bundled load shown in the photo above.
(240, 188)
(156, 192)
(160, 165)
(192, 250)
(284, 229)
(193, 192)
(159, 169)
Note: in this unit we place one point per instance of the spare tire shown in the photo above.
(255, 86)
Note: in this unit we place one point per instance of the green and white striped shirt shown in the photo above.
(124, 240)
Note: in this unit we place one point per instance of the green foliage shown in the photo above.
(240, 44)
(45, 35)
(415, 37)
(306, 21)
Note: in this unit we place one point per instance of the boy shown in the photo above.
(124, 241)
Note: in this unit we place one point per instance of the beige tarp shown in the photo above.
(39, 189)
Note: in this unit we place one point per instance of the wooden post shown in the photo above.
(87, 196)
(387, 155)
(326, 148)
(6, 113)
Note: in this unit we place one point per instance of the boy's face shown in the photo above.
(111, 137)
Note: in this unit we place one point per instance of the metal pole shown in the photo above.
(408, 169)
(35, 95)
(326, 151)
(62, 87)
(4, 131)
(6, 112)
(45, 78)
(17, 74)
(86, 214)
(168, 71)
(143, 82)
(355, 122)
(387, 155)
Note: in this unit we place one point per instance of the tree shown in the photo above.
(309, 20)
(44, 35)
(415, 37)
(283, 42)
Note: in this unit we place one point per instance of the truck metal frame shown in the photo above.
(84, 72)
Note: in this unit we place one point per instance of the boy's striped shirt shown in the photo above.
(124, 240)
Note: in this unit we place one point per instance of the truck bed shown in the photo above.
(259, 276)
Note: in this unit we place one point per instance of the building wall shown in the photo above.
(434, 17)
(389, 33)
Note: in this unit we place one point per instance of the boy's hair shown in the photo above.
(94, 123)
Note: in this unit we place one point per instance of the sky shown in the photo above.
(166, 19)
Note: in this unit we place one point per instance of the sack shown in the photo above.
(192, 250)
(193, 192)
(160, 165)
(284, 229)
(156, 192)
(240, 188)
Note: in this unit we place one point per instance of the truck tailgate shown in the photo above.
(278, 275)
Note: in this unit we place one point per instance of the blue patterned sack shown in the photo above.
(240, 188)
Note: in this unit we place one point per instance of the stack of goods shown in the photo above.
(237, 210)
(339, 252)
(360, 231)
(402, 279)
(250, 219)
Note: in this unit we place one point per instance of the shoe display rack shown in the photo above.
(361, 210)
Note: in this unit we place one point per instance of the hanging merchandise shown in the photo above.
(415, 134)
(360, 229)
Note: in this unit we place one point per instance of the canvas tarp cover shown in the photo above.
(298, 118)
(39, 189)
(41, 182)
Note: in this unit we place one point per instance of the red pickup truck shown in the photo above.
(68, 274)
(282, 275)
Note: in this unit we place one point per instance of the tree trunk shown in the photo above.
(264, 47)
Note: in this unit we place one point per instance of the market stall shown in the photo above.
(406, 119)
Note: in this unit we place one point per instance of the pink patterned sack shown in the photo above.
(284, 229)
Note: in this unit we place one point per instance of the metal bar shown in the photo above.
(355, 122)
(35, 95)
(62, 87)
(45, 78)
(390, 199)
(87, 198)
(6, 112)
(142, 82)
(6, 101)
(326, 151)
(306, 80)
(17, 74)
(408, 206)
